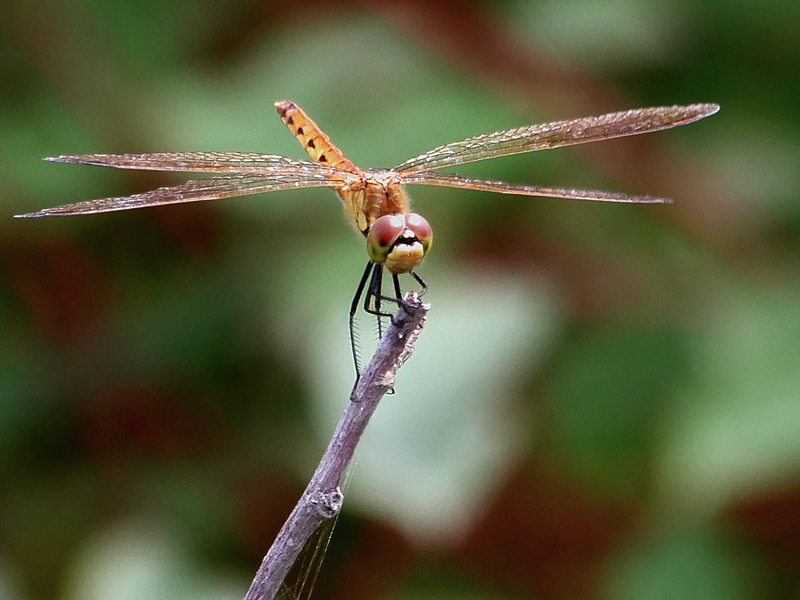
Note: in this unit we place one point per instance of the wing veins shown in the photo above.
(202, 162)
(455, 181)
(556, 134)
(194, 190)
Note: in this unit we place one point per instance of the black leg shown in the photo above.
(373, 300)
(396, 281)
(353, 309)
(376, 287)
(376, 292)
(421, 282)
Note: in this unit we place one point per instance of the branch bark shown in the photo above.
(322, 498)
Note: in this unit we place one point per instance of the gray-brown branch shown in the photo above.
(322, 498)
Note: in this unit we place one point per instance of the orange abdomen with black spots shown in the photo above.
(318, 145)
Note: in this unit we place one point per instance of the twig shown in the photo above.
(322, 498)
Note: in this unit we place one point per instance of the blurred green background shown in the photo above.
(605, 402)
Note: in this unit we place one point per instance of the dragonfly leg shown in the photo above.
(377, 296)
(375, 293)
(374, 297)
(421, 282)
(396, 280)
(372, 303)
(373, 300)
(397, 292)
(378, 299)
(352, 324)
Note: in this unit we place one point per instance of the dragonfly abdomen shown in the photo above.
(318, 145)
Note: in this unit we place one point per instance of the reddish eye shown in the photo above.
(420, 227)
(382, 235)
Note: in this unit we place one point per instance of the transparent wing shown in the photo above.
(556, 135)
(501, 187)
(202, 162)
(212, 188)
(249, 174)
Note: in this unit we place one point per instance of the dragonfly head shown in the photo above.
(399, 241)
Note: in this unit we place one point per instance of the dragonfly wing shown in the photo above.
(199, 162)
(556, 135)
(501, 187)
(211, 188)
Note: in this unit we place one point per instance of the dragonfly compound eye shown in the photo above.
(399, 241)
(384, 232)
(421, 229)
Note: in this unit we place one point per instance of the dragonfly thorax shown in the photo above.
(399, 241)
(372, 195)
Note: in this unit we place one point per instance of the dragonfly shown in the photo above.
(375, 200)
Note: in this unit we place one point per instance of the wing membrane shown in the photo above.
(202, 162)
(246, 173)
(556, 135)
(211, 188)
(501, 187)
